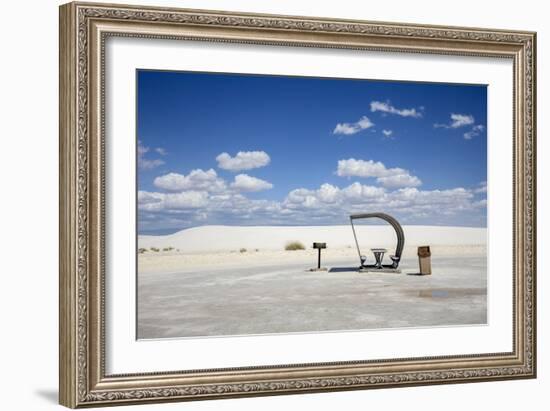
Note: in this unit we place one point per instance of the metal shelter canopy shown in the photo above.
(396, 257)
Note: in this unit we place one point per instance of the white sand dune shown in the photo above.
(230, 238)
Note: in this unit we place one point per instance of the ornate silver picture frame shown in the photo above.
(84, 30)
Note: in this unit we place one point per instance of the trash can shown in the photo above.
(425, 260)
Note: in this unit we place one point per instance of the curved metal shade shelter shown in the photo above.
(396, 257)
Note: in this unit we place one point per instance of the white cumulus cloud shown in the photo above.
(388, 177)
(481, 188)
(244, 160)
(399, 180)
(146, 163)
(360, 168)
(328, 193)
(352, 128)
(387, 133)
(450, 198)
(409, 202)
(474, 132)
(196, 180)
(457, 121)
(326, 204)
(244, 182)
(358, 192)
(153, 201)
(386, 107)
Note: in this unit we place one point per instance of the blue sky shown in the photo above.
(261, 150)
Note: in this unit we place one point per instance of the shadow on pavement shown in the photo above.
(342, 269)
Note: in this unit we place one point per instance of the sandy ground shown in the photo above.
(216, 281)
(178, 261)
(283, 298)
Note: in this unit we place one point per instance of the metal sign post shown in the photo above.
(319, 247)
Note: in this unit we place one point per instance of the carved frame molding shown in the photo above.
(84, 28)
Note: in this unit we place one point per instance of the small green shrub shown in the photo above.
(167, 248)
(155, 249)
(242, 250)
(294, 245)
(142, 250)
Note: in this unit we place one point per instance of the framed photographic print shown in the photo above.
(259, 204)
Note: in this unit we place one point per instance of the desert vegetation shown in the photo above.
(294, 245)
